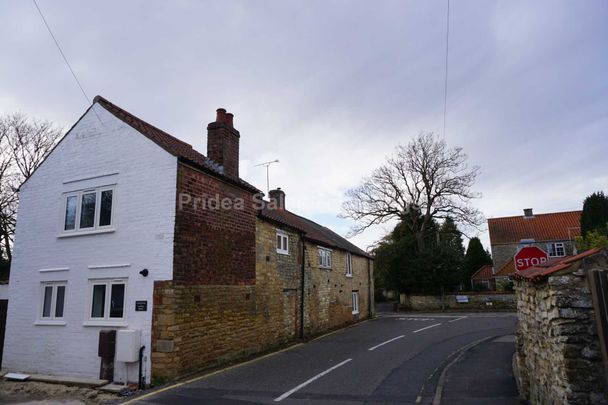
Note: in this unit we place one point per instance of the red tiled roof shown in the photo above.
(540, 227)
(484, 273)
(507, 269)
(540, 272)
(171, 144)
(312, 231)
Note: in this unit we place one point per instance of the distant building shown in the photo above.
(484, 277)
(552, 232)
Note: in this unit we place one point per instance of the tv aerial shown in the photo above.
(267, 165)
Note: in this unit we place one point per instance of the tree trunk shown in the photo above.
(420, 240)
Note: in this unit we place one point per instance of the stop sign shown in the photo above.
(529, 256)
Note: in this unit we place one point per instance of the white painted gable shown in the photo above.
(100, 150)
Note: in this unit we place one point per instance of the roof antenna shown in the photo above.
(267, 165)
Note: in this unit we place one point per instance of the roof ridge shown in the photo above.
(101, 99)
(172, 145)
(537, 215)
(480, 269)
(312, 230)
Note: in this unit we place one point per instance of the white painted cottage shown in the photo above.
(100, 209)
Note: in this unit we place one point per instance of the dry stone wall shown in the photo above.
(558, 354)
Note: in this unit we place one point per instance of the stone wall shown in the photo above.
(477, 301)
(198, 326)
(328, 292)
(558, 354)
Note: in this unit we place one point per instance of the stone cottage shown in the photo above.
(553, 232)
(126, 228)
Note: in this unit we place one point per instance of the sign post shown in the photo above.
(529, 256)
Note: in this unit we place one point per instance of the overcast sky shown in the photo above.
(330, 87)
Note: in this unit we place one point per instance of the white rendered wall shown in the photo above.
(92, 154)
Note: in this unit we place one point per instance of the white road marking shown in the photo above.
(417, 316)
(428, 327)
(457, 319)
(305, 383)
(383, 343)
(415, 319)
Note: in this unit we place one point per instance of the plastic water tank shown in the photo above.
(128, 342)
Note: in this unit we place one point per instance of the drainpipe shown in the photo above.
(141, 384)
(369, 289)
(302, 285)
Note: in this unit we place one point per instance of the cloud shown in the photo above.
(330, 88)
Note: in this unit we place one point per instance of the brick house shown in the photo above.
(504, 275)
(125, 227)
(552, 232)
(484, 277)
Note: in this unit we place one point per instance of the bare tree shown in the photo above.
(423, 181)
(24, 143)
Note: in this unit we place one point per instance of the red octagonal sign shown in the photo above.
(529, 256)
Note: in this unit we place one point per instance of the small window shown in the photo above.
(70, 212)
(88, 210)
(557, 249)
(355, 302)
(53, 300)
(108, 300)
(282, 242)
(105, 208)
(324, 258)
(349, 264)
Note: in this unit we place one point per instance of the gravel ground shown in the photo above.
(31, 392)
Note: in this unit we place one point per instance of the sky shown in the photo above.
(331, 87)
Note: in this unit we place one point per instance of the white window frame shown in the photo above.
(324, 257)
(552, 248)
(96, 227)
(284, 242)
(55, 285)
(106, 310)
(349, 264)
(355, 302)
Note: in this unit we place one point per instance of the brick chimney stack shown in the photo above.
(278, 197)
(223, 143)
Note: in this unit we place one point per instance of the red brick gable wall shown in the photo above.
(212, 246)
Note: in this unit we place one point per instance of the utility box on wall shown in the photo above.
(128, 342)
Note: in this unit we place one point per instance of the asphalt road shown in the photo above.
(394, 359)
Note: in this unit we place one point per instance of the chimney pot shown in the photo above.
(223, 143)
(230, 120)
(278, 197)
(528, 213)
(221, 115)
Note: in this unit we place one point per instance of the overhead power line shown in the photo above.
(447, 49)
(62, 54)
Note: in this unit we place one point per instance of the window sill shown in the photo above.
(355, 312)
(83, 233)
(349, 276)
(282, 252)
(325, 268)
(50, 322)
(116, 324)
